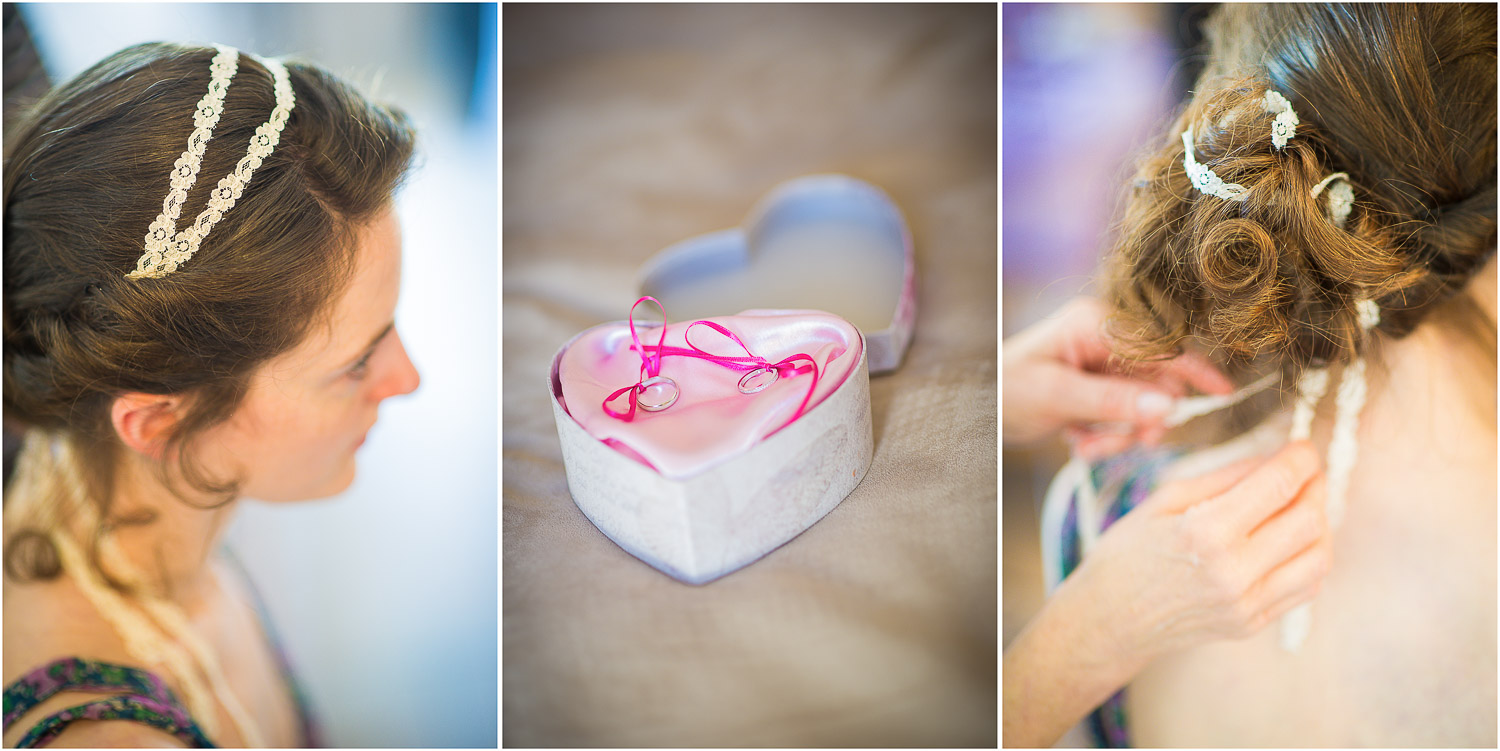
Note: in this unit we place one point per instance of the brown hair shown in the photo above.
(84, 178)
(1400, 97)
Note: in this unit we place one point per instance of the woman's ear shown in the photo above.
(145, 421)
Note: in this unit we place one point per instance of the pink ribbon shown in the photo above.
(650, 365)
(787, 367)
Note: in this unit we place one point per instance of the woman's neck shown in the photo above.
(1483, 288)
(1436, 387)
(170, 554)
(1431, 399)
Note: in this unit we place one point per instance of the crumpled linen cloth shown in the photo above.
(629, 128)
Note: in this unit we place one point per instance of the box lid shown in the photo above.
(824, 242)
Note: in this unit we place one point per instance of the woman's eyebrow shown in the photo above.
(373, 341)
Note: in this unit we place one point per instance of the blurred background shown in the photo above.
(385, 596)
(1084, 87)
(631, 127)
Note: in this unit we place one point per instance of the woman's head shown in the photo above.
(304, 412)
(1401, 98)
(302, 257)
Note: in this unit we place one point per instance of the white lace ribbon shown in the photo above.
(1205, 179)
(1343, 450)
(1284, 127)
(1340, 197)
(165, 248)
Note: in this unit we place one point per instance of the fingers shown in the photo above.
(1294, 582)
(1137, 392)
(1090, 349)
(1269, 488)
(1292, 529)
(1197, 371)
(1152, 434)
(1093, 446)
(1179, 495)
(1096, 442)
(1089, 398)
(1080, 336)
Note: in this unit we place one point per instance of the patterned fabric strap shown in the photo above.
(312, 733)
(146, 699)
(1126, 480)
(131, 708)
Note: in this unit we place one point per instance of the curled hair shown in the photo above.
(1401, 98)
(84, 177)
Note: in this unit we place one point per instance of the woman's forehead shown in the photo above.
(366, 306)
(377, 271)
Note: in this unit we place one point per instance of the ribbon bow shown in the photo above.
(760, 373)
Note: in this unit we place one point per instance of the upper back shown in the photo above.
(1402, 644)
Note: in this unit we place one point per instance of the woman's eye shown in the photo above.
(360, 369)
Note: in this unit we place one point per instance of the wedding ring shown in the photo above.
(756, 381)
(658, 403)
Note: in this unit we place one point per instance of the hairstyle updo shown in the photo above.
(1399, 97)
(85, 175)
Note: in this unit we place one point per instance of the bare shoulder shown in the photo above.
(50, 620)
(115, 734)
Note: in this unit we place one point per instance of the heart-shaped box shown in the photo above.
(699, 528)
(822, 242)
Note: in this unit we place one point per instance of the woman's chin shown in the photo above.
(330, 487)
(341, 482)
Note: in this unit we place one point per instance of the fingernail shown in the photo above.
(1153, 403)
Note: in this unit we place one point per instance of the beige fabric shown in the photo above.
(628, 128)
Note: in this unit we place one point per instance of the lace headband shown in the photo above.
(166, 249)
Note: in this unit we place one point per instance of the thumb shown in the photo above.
(1181, 494)
(1081, 396)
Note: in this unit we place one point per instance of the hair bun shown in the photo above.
(1269, 274)
(1460, 236)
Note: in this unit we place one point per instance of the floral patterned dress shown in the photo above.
(142, 696)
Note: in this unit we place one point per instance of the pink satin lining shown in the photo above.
(711, 420)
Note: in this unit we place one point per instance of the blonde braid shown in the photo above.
(156, 637)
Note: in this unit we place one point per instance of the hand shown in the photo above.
(1213, 557)
(1059, 376)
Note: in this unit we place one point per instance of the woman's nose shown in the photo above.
(402, 378)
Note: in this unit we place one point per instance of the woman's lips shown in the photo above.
(366, 433)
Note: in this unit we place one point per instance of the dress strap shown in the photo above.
(130, 707)
(1123, 482)
(311, 731)
(145, 698)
